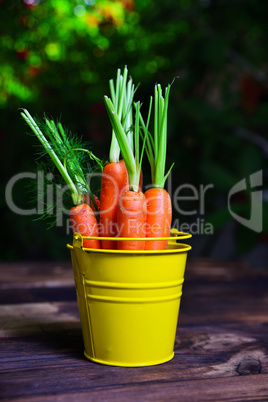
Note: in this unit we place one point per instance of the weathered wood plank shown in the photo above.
(38, 294)
(254, 388)
(35, 275)
(36, 282)
(18, 320)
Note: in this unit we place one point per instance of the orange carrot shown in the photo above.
(115, 176)
(131, 214)
(88, 200)
(58, 147)
(158, 200)
(159, 213)
(131, 220)
(83, 221)
(97, 202)
(114, 181)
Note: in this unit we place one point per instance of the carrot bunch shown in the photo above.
(149, 214)
(123, 209)
(115, 176)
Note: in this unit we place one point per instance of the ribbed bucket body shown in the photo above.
(129, 303)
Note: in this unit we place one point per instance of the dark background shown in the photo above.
(57, 56)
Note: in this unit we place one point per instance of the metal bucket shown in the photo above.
(129, 301)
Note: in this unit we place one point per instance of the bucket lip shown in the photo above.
(181, 248)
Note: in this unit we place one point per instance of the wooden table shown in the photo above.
(221, 350)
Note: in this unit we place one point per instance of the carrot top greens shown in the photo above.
(67, 153)
(131, 153)
(122, 94)
(156, 144)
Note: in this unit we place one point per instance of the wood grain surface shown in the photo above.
(221, 349)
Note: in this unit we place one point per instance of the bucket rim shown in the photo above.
(180, 248)
(175, 235)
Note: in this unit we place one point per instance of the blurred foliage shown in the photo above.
(56, 56)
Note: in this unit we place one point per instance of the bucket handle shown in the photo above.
(174, 236)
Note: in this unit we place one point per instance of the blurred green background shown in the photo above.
(57, 56)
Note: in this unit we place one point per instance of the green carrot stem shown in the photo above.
(124, 144)
(91, 155)
(63, 145)
(146, 132)
(148, 142)
(156, 145)
(122, 97)
(114, 148)
(156, 117)
(32, 124)
(136, 136)
(128, 117)
(112, 90)
(119, 99)
(122, 93)
(162, 137)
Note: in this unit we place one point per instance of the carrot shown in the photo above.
(131, 216)
(159, 214)
(115, 176)
(159, 208)
(131, 220)
(95, 205)
(83, 221)
(114, 182)
(88, 197)
(81, 215)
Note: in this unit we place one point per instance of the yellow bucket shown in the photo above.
(129, 301)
